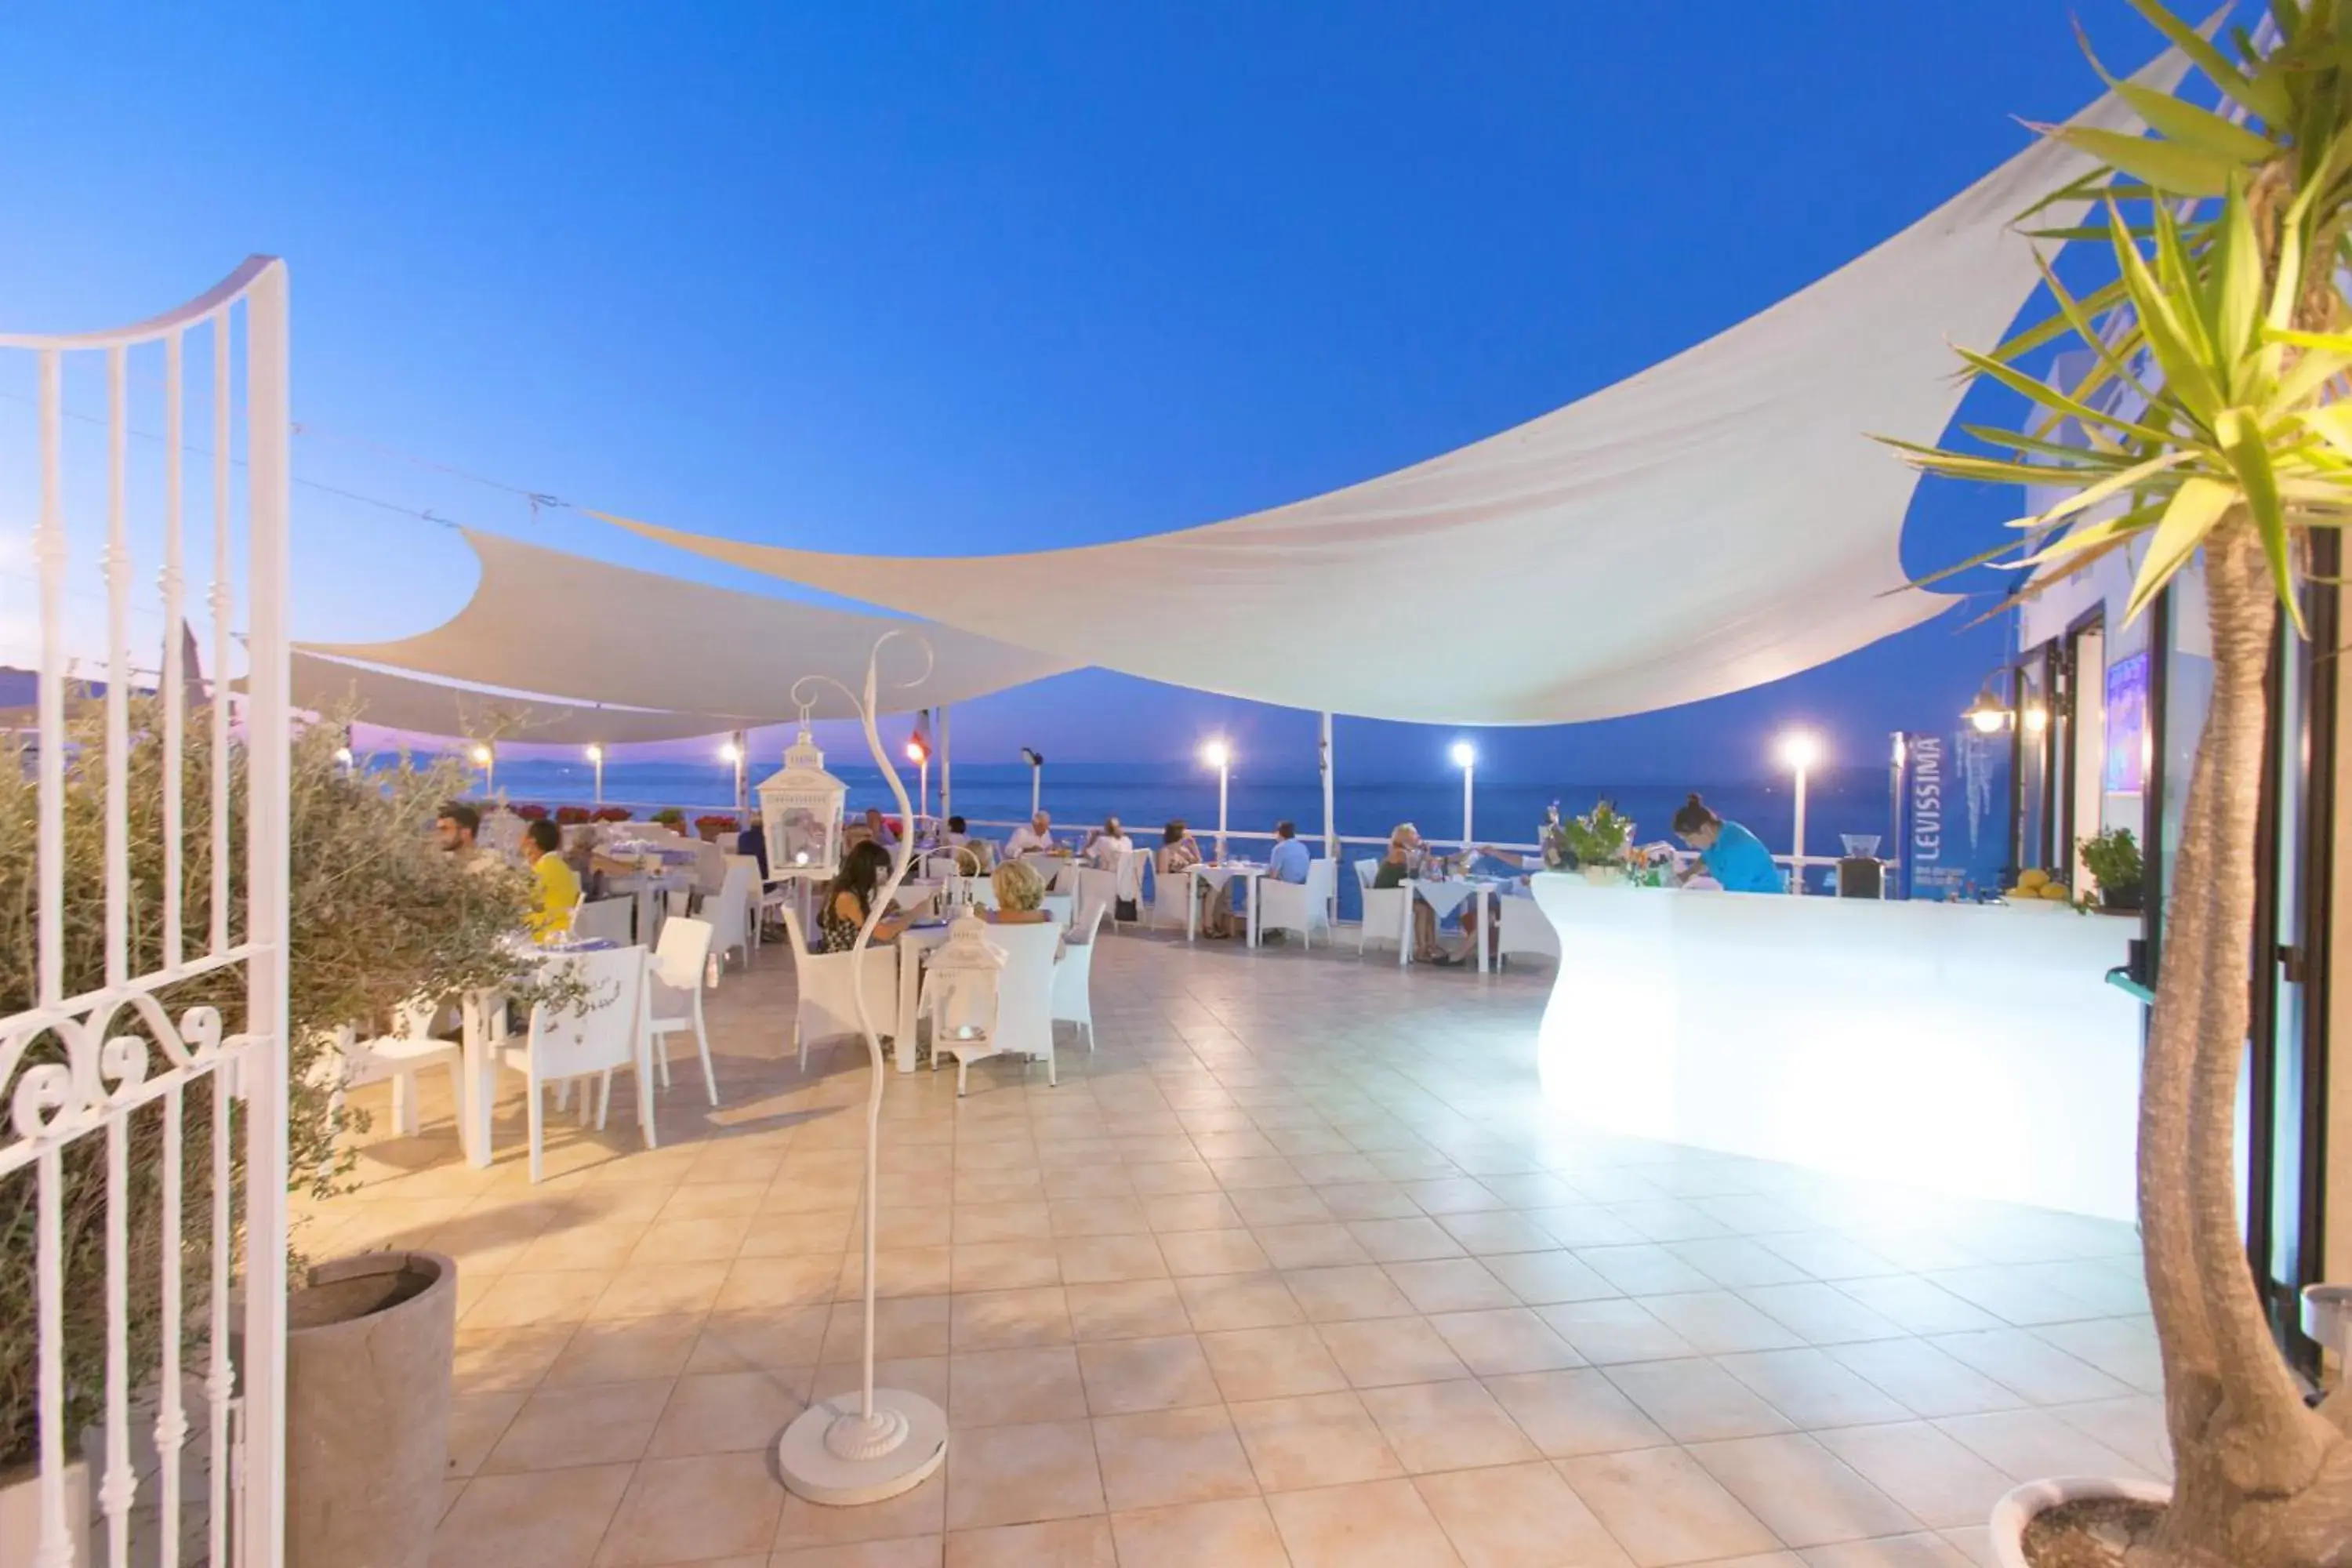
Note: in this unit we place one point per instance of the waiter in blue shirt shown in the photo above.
(1727, 852)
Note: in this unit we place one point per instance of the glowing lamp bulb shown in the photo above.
(482, 756)
(1216, 753)
(730, 752)
(1801, 750)
(343, 755)
(2037, 717)
(914, 752)
(1986, 719)
(595, 754)
(1464, 753)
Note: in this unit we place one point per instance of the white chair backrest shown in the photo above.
(1323, 879)
(1365, 871)
(606, 920)
(1096, 889)
(728, 841)
(731, 925)
(684, 953)
(1129, 872)
(980, 891)
(1075, 971)
(1062, 907)
(709, 868)
(602, 1032)
(1024, 987)
(941, 867)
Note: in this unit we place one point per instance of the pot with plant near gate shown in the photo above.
(2112, 859)
(2207, 438)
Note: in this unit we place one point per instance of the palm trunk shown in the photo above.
(2259, 1477)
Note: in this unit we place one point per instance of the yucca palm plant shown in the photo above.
(2209, 426)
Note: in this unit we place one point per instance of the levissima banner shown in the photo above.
(1951, 801)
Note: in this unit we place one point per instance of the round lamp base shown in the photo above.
(831, 1455)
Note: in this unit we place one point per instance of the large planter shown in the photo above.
(2018, 1507)
(1604, 875)
(20, 1514)
(369, 1345)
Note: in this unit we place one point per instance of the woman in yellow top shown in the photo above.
(555, 887)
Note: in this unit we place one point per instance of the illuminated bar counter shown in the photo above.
(1973, 1049)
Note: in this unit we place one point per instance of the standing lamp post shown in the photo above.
(344, 759)
(1466, 757)
(877, 1443)
(732, 754)
(1802, 750)
(920, 755)
(488, 761)
(1220, 756)
(596, 761)
(1036, 761)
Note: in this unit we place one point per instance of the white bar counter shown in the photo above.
(1972, 1049)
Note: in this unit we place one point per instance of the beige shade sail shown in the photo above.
(1718, 521)
(335, 689)
(573, 628)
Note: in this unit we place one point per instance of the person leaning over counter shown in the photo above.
(1727, 852)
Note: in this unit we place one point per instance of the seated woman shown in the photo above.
(1398, 866)
(1513, 866)
(555, 887)
(851, 898)
(1727, 852)
(1020, 895)
(1176, 857)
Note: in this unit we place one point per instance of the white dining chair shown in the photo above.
(1521, 928)
(1073, 975)
(1129, 872)
(356, 1061)
(1170, 892)
(1388, 913)
(1062, 907)
(675, 1004)
(1303, 907)
(825, 1005)
(1098, 887)
(729, 914)
(605, 1034)
(605, 919)
(1024, 1003)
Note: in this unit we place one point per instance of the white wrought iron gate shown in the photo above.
(142, 933)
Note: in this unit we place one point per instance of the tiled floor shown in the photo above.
(1297, 1267)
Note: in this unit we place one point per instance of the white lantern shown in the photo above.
(960, 991)
(801, 810)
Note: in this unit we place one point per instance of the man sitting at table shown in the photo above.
(1035, 838)
(1107, 845)
(879, 830)
(555, 888)
(458, 825)
(1290, 860)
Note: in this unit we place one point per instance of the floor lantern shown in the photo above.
(874, 1443)
(960, 993)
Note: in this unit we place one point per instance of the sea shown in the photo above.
(1144, 797)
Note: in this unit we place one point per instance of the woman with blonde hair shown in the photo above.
(1019, 894)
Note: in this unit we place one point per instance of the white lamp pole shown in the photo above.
(488, 761)
(1801, 750)
(350, 763)
(1220, 756)
(1036, 780)
(732, 755)
(596, 761)
(922, 760)
(844, 1451)
(1466, 757)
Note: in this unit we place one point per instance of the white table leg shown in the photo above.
(1484, 931)
(902, 1049)
(484, 1017)
(1249, 887)
(1192, 904)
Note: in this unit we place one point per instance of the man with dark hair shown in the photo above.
(458, 825)
(1290, 860)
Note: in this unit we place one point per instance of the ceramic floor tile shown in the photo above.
(1234, 1534)
(1446, 1426)
(1696, 1401)
(1130, 1310)
(1052, 1543)
(1346, 1294)
(1379, 1351)
(560, 1428)
(919, 1514)
(1192, 1252)
(627, 1350)
(1007, 1319)
(1664, 1508)
(676, 1511)
(1325, 1246)
(1804, 1493)
(729, 1412)
(1371, 1524)
(1925, 1469)
(1168, 1458)
(1404, 1240)
(1450, 1284)
(1266, 1364)
(552, 1516)
(1920, 1550)
(1217, 1301)
(1574, 1412)
(1924, 1379)
(914, 1551)
(2027, 1445)
(1127, 1376)
(1518, 1516)
(1314, 1440)
(1718, 1322)
(2031, 1365)
(1019, 1475)
(1811, 1390)
(1015, 1387)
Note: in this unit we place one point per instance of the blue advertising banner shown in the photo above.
(1951, 802)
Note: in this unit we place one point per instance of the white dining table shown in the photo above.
(1444, 895)
(1217, 875)
(484, 1016)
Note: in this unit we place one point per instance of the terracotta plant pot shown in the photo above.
(20, 1514)
(2018, 1505)
(369, 1345)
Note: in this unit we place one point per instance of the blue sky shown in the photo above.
(964, 278)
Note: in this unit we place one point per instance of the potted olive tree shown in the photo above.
(376, 915)
(2209, 430)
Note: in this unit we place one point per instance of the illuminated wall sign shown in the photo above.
(2126, 763)
(1945, 788)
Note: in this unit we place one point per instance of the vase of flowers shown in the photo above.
(1594, 844)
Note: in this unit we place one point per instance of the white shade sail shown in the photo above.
(1716, 522)
(570, 627)
(332, 689)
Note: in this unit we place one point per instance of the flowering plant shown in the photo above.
(529, 813)
(712, 826)
(612, 813)
(1599, 837)
(570, 816)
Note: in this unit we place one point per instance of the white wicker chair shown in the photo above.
(1388, 913)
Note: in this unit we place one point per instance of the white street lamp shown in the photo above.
(1802, 750)
(920, 755)
(1466, 757)
(1036, 761)
(343, 758)
(596, 761)
(731, 753)
(488, 761)
(1220, 756)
